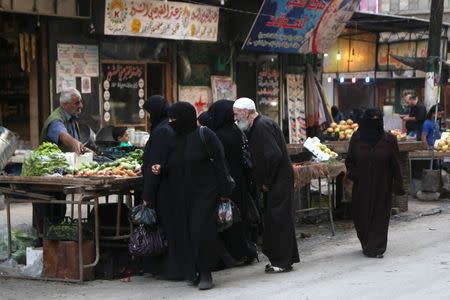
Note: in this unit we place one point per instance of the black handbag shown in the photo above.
(145, 242)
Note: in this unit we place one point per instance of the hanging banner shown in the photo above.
(159, 19)
(299, 26)
(296, 108)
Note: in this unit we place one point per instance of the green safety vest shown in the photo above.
(57, 114)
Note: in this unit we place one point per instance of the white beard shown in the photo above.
(243, 124)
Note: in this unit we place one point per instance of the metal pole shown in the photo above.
(8, 222)
(80, 243)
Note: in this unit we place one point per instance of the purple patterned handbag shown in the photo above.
(147, 242)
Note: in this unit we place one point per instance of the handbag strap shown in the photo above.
(202, 137)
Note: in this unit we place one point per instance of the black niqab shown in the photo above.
(221, 113)
(204, 119)
(372, 127)
(157, 107)
(184, 118)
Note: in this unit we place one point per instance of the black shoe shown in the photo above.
(195, 281)
(205, 281)
(251, 259)
(229, 261)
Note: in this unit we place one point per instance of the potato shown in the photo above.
(342, 122)
(333, 125)
(349, 122)
(330, 130)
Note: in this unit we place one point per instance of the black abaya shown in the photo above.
(272, 167)
(189, 190)
(374, 170)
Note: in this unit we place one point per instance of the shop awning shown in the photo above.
(388, 23)
(298, 26)
(417, 63)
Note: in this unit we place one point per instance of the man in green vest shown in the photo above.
(61, 126)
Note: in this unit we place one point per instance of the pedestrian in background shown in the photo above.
(374, 167)
(430, 130)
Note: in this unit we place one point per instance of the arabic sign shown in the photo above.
(123, 90)
(158, 19)
(299, 26)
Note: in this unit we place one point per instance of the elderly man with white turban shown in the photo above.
(273, 177)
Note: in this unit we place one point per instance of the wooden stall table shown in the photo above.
(341, 147)
(304, 173)
(425, 155)
(34, 189)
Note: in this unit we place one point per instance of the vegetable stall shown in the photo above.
(48, 172)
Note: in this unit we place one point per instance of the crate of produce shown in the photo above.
(67, 229)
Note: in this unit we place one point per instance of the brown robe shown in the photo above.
(374, 171)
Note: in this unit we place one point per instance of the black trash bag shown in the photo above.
(146, 242)
(144, 215)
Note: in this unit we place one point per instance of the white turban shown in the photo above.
(244, 103)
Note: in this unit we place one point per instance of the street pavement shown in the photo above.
(416, 266)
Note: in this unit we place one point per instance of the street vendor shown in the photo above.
(61, 127)
(417, 114)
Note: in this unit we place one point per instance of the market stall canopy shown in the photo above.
(299, 26)
(417, 63)
(372, 22)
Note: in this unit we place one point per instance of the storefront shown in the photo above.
(361, 69)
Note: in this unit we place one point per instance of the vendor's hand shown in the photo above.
(77, 147)
(146, 203)
(86, 149)
(156, 169)
(264, 188)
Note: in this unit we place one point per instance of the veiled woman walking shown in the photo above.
(190, 189)
(374, 167)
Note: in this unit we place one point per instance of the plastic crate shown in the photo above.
(67, 229)
(114, 152)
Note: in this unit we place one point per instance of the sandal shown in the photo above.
(273, 270)
(268, 266)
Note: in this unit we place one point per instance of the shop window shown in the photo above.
(386, 95)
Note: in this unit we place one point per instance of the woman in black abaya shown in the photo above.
(191, 188)
(155, 149)
(237, 238)
(373, 166)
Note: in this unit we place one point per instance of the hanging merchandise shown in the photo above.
(296, 108)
